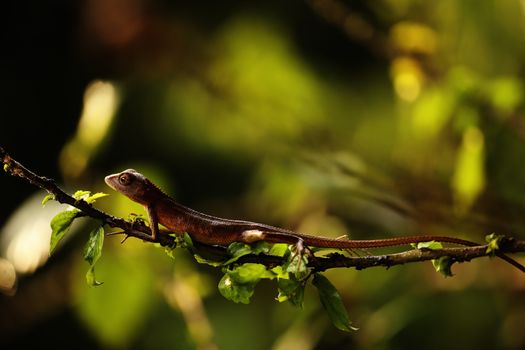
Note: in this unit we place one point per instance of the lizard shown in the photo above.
(207, 229)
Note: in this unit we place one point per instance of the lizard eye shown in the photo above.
(124, 179)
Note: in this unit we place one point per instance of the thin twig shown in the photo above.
(135, 229)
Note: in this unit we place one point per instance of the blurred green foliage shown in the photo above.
(332, 117)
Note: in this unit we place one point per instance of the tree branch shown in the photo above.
(318, 264)
(135, 229)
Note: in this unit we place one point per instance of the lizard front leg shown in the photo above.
(153, 222)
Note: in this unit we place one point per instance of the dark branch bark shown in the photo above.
(318, 264)
(135, 229)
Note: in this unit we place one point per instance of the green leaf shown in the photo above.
(297, 264)
(188, 243)
(93, 198)
(81, 194)
(432, 245)
(47, 198)
(236, 292)
(238, 285)
(6, 167)
(129, 292)
(278, 249)
(90, 278)
(60, 226)
(93, 248)
(493, 241)
(261, 247)
(443, 265)
(170, 251)
(237, 250)
(332, 303)
(250, 273)
(92, 252)
(291, 290)
(280, 272)
(202, 260)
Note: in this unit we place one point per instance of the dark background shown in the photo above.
(329, 117)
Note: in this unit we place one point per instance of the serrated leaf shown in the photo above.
(432, 245)
(291, 290)
(93, 248)
(443, 265)
(93, 198)
(47, 198)
(332, 303)
(60, 226)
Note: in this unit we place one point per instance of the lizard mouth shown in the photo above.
(110, 181)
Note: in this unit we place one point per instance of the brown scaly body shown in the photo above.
(207, 229)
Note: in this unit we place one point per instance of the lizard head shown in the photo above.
(132, 184)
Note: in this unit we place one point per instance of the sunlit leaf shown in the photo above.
(250, 272)
(493, 241)
(278, 249)
(60, 226)
(280, 272)
(81, 194)
(92, 199)
(432, 245)
(332, 303)
(47, 198)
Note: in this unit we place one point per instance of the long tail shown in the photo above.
(377, 243)
(395, 241)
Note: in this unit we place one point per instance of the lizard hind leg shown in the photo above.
(299, 260)
(353, 251)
